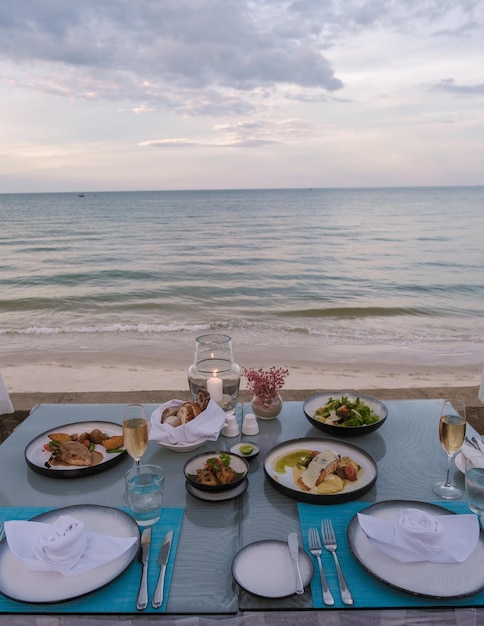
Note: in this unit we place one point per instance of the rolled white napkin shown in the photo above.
(415, 535)
(207, 425)
(64, 546)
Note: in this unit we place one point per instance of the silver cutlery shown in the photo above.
(2, 532)
(329, 542)
(316, 550)
(478, 445)
(162, 562)
(293, 543)
(142, 600)
(472, 443)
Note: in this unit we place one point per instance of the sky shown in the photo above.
(106, 95)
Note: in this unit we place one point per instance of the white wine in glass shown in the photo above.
(452, 430)
(135, 431)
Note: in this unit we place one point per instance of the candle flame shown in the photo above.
(215, 373)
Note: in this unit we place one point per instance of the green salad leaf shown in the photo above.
(345, 412)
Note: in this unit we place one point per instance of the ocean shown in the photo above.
(311, 269)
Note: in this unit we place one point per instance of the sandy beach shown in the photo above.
(133, 367)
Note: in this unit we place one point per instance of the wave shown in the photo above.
(355, 312)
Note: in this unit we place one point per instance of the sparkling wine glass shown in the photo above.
(452, 430)
(135, 431)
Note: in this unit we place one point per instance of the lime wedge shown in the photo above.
(246, 448)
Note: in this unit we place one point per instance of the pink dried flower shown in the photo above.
(265, 384)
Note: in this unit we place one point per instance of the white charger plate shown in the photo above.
(433, 580)
(266, 569)
(25, 585)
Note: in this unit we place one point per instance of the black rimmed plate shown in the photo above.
(311, 405)
(238, 464)
(20, 583)
(432, 580)
(217, 496)
(284, 481)
(266, 569)
(36, 457)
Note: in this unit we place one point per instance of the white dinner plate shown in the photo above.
(266, 569)
(36, 457)
(284, 482)
(433, 580)
(25, 585)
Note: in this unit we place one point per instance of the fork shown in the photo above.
(2, 532)
(329, 542)
(315, 549)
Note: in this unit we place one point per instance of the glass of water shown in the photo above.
(144, 492)
(474, 483)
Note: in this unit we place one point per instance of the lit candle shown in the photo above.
(215, 388)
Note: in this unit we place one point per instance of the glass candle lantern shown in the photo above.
(215, 370)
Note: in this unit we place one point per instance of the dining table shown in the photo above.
(209, 535)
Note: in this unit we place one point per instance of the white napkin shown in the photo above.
(468, 450)
(63, 546)
(207, 425)
(417, 536)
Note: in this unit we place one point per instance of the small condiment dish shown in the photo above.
(242, 449)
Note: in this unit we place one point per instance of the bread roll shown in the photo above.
(203, 398)
(172, 420)
(168, 412)
(188, 411)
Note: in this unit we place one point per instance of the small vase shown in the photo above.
(265, 411)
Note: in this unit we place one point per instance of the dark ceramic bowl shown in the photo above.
(315, 402)
(237, 463)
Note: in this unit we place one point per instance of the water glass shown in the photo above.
(474, 483)
(144, 492)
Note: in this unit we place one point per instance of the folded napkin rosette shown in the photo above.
(207, 425)
(416, 536)
(64, 546)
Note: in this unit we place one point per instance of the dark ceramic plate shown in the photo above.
(238, 464)
(318, 401)
(284, 481)
(36, 457)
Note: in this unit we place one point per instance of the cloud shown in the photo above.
(150, 52)
(245, 134)
(450, 86)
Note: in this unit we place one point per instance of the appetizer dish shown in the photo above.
(216, 471)
(320, 471)
(345, 414)
(74, 449)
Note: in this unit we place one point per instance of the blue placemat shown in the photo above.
(368, 592)
(120, 595)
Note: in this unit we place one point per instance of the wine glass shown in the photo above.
(452, 429)
(135, 431)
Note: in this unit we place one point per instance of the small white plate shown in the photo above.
(266, 569)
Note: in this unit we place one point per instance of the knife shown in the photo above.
(293, 544)
(162, 561)
(142, 601)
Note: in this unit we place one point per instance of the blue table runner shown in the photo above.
(119, 596)
(368, 591)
